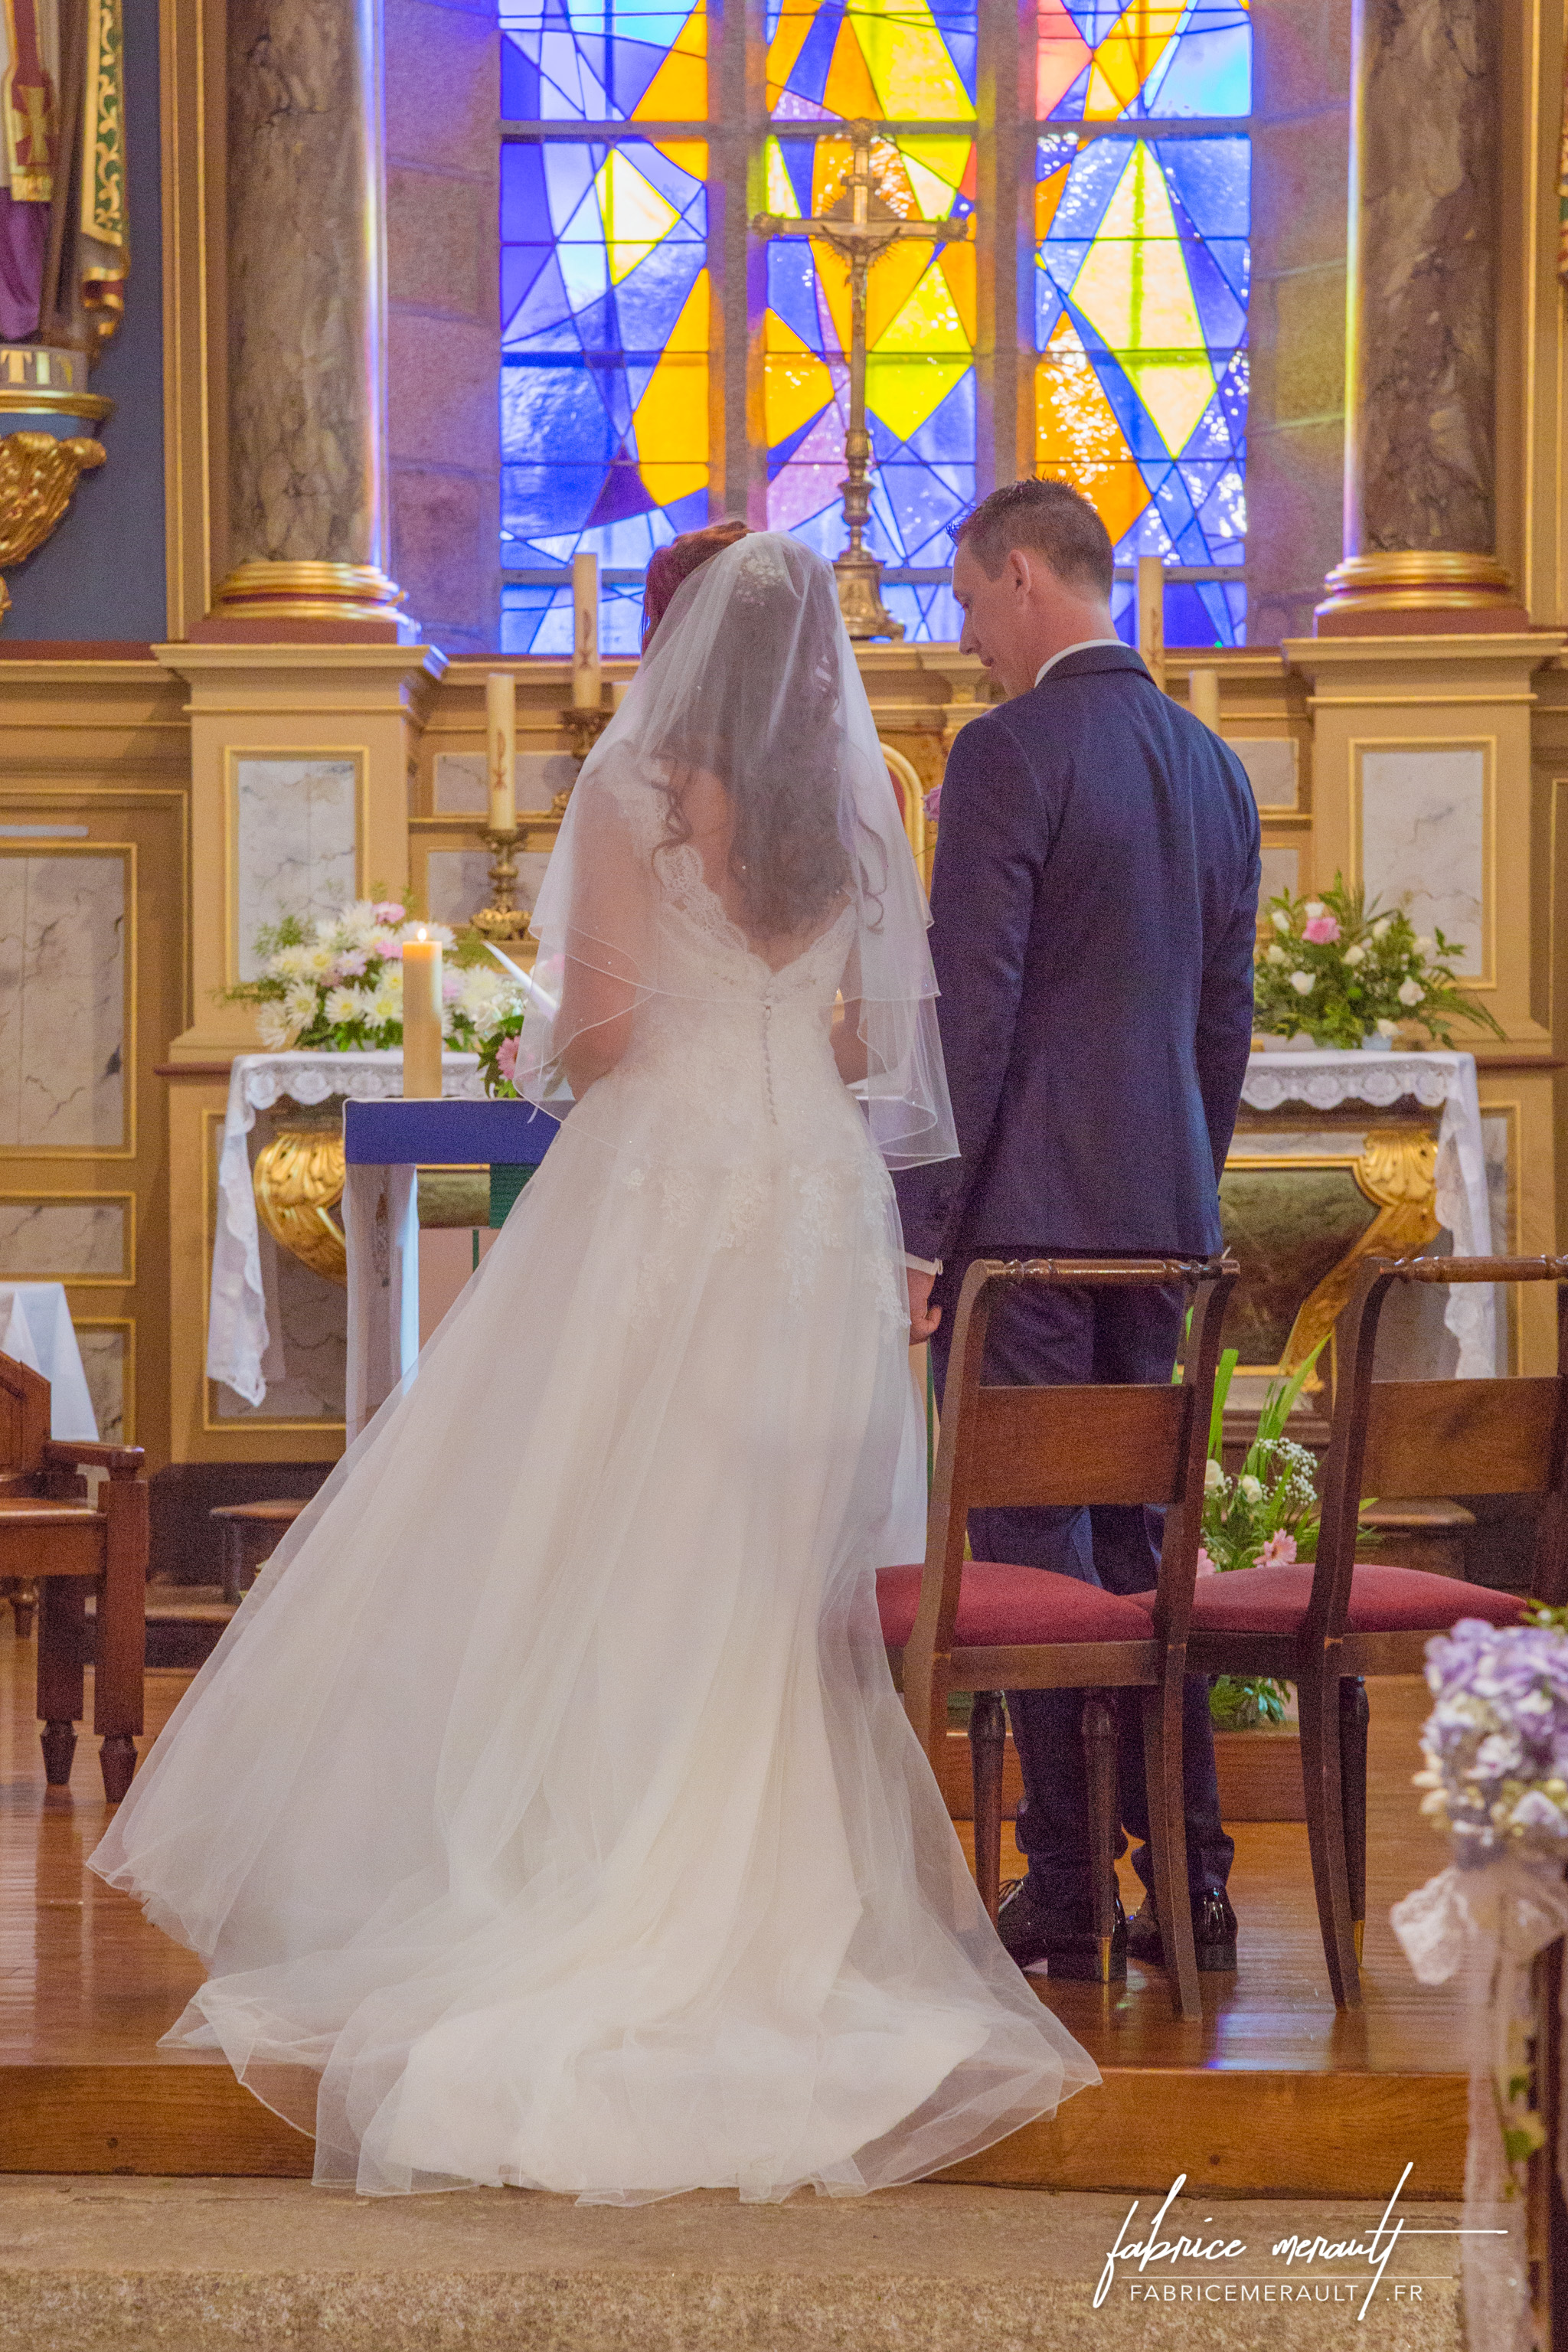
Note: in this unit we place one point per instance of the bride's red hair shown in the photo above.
(668, 566)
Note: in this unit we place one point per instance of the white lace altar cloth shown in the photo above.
(1328, 1076)
(244, 1346)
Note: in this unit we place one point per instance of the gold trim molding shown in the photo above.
(263, 590)
(1418, 580)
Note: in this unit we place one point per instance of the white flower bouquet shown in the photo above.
(1343, 970)
(336, 985)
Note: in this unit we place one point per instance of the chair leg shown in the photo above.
(1168, 1840)
(1317, 1703)
(1099, 1734)
(119, 1674)
(987, 1739)
(1352, 1791)
(62, 1648)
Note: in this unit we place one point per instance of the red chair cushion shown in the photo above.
(1000, 1605)
(1384, 1599)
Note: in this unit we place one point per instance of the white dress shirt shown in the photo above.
(1083, 646)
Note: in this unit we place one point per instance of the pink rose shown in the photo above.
(933, 802)
(451, 987)
(350, 964)
(506, 1060)
(1279, 1552)
(390, 911)
(1206, 1565)
(1322, 930)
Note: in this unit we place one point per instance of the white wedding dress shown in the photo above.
(547, 1815)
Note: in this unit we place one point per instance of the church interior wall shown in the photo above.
(101, 574)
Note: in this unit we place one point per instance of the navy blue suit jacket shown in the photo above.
(1094, 905)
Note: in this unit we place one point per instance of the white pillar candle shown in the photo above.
(500, 732)
(585, 631)
(1151, 616)
(1203, 696)
(421, 1018)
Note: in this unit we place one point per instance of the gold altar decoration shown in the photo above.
(299, 1181)
(503, 919)
(1397, 1173)
(860, 226)
(263, 590)
(38, 475)
(583, 729)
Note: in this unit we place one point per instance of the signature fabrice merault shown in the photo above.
(1373, 2249)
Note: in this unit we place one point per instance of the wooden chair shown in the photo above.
(250, 1533)
(1326, 1627)
(987, 1626)
(51, 1534)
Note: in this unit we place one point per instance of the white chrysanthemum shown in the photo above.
(289, 963)
(1411, 991)
(346, 1004)
(1304, 983)
(1276, 954)
(320, 959)
(357, 923)
(299, 1002)
(1355, 955)
(327, 929)
(274, 1027)
(386, 1001)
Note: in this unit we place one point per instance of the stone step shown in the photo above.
(278, 2266)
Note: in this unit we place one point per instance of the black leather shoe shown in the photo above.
(1061, 1937)
(1214, 1933)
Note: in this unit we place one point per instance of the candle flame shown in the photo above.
(419, 932)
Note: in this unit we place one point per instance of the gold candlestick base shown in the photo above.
(584, 729)
(503, 919)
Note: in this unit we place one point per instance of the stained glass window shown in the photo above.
(1140, 283)
(657, 370)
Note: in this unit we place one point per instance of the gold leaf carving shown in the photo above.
(1397, 1171)
(38, 475)
(299, 1180)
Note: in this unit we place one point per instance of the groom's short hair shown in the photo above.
(1050, 517)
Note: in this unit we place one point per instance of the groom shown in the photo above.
(1094, 906)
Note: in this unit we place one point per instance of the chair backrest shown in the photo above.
(1394, 1439)
(909, 794)
(23, 1424)
(1074, 1445)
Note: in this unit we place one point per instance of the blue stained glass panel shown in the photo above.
(595, 61)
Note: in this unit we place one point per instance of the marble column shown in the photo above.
(1420, 491)
(306, 316)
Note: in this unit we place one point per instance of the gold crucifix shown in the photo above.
(860, 225)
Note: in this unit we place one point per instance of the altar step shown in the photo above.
(115, 2266)
(1238, 2131)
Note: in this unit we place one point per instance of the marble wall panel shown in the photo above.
(461, 786)
(541, 775)
(1281, 864)
(1270, 764)
(296, 835)
(105, 1355)
(457, 884)
(63, 1239)
(62, 1003)
(1424, 840)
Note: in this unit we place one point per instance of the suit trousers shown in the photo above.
(1075, 1338)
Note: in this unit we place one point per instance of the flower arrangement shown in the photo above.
(1343, 970)
(1496, 1743)
(336, 985)
(497, 1030)
(1267, 1516)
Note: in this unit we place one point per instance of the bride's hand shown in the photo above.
(923, 1317)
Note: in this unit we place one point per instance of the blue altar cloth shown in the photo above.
(434, 1134)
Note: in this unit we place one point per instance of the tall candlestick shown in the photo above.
(585, 631)
(421, 1018)
(500, 728)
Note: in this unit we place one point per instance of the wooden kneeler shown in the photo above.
(988, 1626)
(51, 1534)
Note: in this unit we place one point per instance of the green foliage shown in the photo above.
(1245, 1701)
(1365, 970)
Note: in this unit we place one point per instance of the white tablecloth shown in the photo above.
(1326, 1077)
(36, 1330)
(242, 1349)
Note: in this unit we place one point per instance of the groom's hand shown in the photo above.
(923, 1317)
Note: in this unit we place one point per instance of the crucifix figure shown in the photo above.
(860, 225)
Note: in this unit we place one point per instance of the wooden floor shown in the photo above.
(1272, 2090)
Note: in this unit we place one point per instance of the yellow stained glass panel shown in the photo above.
(1077, 436)
(1133, 288)
(679, 90)
(633, 213)
(671, 420)
(796, 382)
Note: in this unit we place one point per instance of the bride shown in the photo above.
(547, 1815)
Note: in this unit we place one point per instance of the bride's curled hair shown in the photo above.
(762, 714)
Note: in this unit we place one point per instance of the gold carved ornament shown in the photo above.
(38, 475)
(299, 1181)
(1398, 1171)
